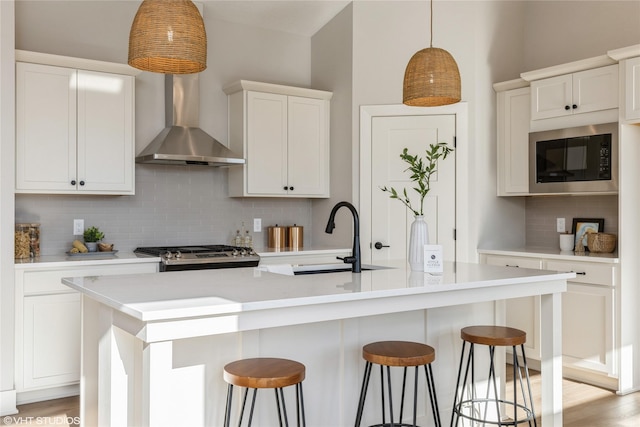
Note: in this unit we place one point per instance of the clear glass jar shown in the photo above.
(27, 240)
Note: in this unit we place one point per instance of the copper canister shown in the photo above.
(277, 237)
(296, 237)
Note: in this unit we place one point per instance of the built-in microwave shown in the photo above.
(574, 160)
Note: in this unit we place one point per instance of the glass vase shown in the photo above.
(418, 237)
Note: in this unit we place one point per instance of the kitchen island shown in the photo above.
(154, 344)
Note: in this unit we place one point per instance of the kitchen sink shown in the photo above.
(330, 268)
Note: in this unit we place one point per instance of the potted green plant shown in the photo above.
(92, 236)
(421, 171)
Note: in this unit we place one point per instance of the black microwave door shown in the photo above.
(551, 161)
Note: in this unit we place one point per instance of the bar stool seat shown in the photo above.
(468, 405)
(261, 373)
(398, 354)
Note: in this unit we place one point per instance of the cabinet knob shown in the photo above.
(291, 188)
(81, 182)
(73, 182)
(574, 106)
(566, 107)
(285, 188)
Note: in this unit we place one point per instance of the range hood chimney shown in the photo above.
(182, 142)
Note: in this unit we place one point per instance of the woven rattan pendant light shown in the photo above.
(168, 36)
(431, 77)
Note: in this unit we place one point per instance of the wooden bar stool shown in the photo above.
(401, 354)
(491, 409)
(265, 372)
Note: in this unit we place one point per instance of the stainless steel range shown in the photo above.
(179, 258)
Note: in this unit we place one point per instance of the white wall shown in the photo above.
(563, 31)
(332, 69)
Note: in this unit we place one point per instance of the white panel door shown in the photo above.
(595, 90)
(632, 89)
(45, 127)
(105, 132)
(308, 150)
(51, 340)
(266, 143)
(390, 220)
(551, 97)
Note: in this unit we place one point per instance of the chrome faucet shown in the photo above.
(354, 259)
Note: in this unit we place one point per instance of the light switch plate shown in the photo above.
(257, 225)
(78, 227)
(560, 225)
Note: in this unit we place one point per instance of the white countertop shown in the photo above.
(186, 294)
(554, 253)
(63, 260)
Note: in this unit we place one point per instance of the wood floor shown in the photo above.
(584, 406)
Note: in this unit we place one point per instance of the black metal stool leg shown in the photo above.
(404, 383)
(363, 393)
(455, 396)
(415, 396)
(526, 371)
(300, 405)
(432, 395)
(244, 404)
(390, 397)
(253, 405)
(227, 412)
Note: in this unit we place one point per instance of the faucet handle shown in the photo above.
(347, 259)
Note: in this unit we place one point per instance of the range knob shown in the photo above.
(243, 252)
(178, 254)
(168, 255)
(235, 252)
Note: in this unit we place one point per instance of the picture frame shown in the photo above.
(581, 225)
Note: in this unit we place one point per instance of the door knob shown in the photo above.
(379, 245)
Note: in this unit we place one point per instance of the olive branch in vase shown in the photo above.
(421, 171)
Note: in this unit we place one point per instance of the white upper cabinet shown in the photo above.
(283, 134)
(74, 130)
(513, 141)
(577, 93)
(632, 89)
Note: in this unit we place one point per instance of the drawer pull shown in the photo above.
(514, 266)
(580, 273)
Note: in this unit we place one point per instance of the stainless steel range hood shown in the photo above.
(182, 142)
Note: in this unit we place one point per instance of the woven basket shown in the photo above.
(601, 242)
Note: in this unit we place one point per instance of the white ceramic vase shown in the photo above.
(418, 237)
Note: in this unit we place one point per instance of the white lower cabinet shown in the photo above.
(51, 340)
(589, 348)
(587, 326)
(48, 321)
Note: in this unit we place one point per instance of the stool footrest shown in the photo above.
(471, 404)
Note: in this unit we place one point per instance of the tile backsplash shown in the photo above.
(173, 205)
(541, 214)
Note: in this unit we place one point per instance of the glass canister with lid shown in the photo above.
(27, 240)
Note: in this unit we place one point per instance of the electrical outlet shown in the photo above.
(78, 227)
(560, 225)
(257, 225)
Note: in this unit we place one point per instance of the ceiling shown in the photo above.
(302, 17)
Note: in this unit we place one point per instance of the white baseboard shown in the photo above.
(48, 394)
(8, 402)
